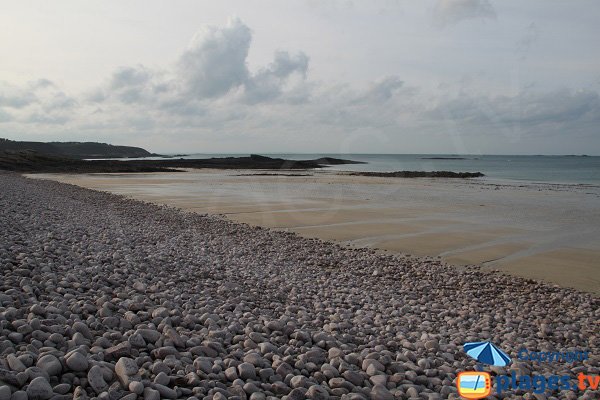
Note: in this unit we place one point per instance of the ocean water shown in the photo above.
(551, 169)
(548, 169)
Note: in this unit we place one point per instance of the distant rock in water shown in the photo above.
(421, 174)
(335, 161)
(444, 158)
(75, 149)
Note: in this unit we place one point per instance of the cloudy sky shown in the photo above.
(388, 76)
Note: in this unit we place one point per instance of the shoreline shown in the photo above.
(464, 222)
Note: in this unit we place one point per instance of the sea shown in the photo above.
(563, 169)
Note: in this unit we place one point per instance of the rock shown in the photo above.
(39, 389)
(126, 370)
(246, 371)
(355, 396)
(267, 347)
(162, 379)
(297, 394)
(80, 394)
(19, 395)
(62, 388)
(149, 335)
(96, 379)
(353, 377)
(77, 362)
(379, 380)
(315, 356)
(298, 381)
(317, 392)
(375, 365)
(284, 369)
(83, 329)
(122, 349)
(412, 392)
(49, 364)
(115, 391)
(136, 387)
(334, 352)
(165, 391)
(275, 325)
(160, 312)
(151, 394)
(137, 340)
(5, 393)
(15, 364)
(380, 392)
(175, 338)
(231, 374)
(254, 359)
(432, 345)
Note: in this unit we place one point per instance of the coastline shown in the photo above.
(541, 231)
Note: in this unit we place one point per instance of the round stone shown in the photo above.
(39, 389)
(77, 362)
(50, 364)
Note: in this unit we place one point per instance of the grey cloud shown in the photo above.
(58, 101)
(450, 12)
(267, 83)
(382, 90)
(563, 112)
(41, 93)
(130, 85)
(40, 118)
(284, 64)
(215, 61)
(96, 96)
(129, 76)
(15, 97)
(42, 84)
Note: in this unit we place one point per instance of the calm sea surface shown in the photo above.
(551, 169)
(559, 169)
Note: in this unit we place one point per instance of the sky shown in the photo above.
(304, 76)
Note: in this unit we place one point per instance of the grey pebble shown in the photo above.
(39, 389)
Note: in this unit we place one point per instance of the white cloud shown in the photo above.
(215, 61)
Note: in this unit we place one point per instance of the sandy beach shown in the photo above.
(541, 231)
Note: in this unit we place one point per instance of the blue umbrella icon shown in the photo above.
(487, 353)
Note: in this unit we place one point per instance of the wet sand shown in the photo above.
(541, 231)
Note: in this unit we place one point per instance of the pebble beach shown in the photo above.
(111, 298)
